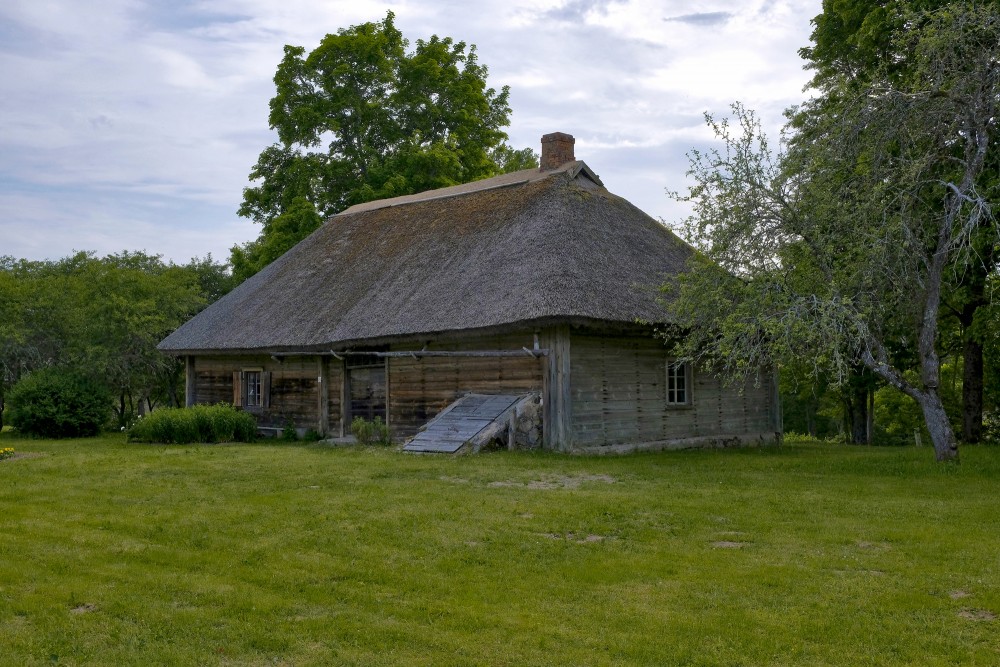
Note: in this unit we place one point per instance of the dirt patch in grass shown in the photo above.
(454, 480)
(83, 608)
(977, 614)
(958, 594)
(873, 573)
(555, 482)
(874, 546)
(577, 538)
(729, 544)
(24, 455)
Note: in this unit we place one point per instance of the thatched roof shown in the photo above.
(529, 247)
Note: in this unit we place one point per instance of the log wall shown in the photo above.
(295, 393)
(421, 387)
(616, 390)
(619, 397)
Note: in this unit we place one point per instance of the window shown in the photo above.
(678, 384)
(252, 388)
(252, 396)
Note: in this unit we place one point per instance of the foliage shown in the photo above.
(281, 233)
(855, 44)
(102, 316)
(804, 554)
(57, 403)
(200, 423)
(215, 280)
(361, 118)
(137, 301)
(853, 38)
(6, 453)
(289, 433)
(374, 432)
(843, 245)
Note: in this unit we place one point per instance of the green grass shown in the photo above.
(129, 554)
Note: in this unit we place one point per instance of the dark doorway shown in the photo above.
(366, 387)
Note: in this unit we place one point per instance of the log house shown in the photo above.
(530, 282)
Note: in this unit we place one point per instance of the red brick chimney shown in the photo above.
(557, 150)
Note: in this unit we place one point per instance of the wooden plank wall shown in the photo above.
(619, 397)
(295, 389)
(420, 388)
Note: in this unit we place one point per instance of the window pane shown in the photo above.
(253, 389)
(676, 383)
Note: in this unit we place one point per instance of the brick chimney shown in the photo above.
(557, 150)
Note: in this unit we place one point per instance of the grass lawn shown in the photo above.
(278, 554)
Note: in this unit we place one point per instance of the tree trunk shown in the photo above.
(972, 390)
(942, 435)
(871, 416)
(977, 276)
(121, 409)
(856, 402)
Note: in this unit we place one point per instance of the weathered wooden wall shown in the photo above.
(295, 388)
(421, 387)
(616, 389)
(619, 397)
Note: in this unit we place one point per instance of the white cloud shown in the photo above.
(136, 122)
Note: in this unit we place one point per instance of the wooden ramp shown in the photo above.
(463, 422)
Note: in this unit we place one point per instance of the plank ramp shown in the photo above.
(462, 422)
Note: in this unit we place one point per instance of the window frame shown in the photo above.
(241, 388)
(253, 387)
(670, 385)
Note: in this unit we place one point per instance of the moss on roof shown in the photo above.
(549, 248)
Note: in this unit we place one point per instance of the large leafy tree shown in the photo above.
(362, 118)
(855, 41)
(133, 301)
(844, 245)
(102, 317)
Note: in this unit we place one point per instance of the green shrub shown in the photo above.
(289, 433)
(58, 403)
(201, 423)
(374, 432)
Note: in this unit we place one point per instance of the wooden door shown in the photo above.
(366, 386)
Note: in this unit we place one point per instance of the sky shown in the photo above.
(133, 124)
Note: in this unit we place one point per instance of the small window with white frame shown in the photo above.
(678, 383)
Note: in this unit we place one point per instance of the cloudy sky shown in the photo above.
(132, 124)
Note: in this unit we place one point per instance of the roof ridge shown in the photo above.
(499, 181)
(390, 203)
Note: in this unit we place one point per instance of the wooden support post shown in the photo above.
(512, 431)
(324, 395)
(388, 384)
(557, 415)
(345, 399)
(190, 388)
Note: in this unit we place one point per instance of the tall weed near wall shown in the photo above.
(201, 423)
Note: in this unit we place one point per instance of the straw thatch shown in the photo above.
(528, 247)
